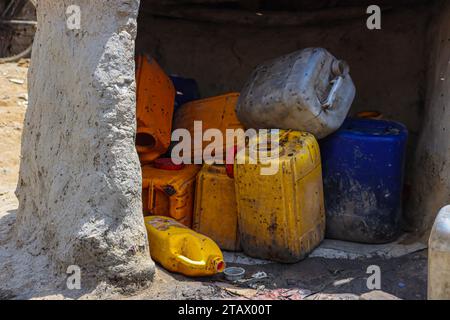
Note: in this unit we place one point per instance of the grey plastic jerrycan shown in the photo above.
(308, 90)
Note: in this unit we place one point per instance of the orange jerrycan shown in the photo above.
(155, 106)
(214, 113)
(281, 211)
(180, 249)
(215, 213)
(168, 190)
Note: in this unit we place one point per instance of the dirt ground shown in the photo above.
(313, 278)
(13, 104)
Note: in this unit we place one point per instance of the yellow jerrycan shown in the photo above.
(182, 250)
(155, 99)
(281, 211)
(168, 190)
(215, 213)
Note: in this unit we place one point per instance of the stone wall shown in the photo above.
(431, 188)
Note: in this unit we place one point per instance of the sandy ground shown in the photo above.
(13, 103)
(313, 278)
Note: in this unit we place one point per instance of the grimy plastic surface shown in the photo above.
(214, 113)
(215, 213)
(182, 250)
(363, 168)
(169, 192)
(308, 90)
(281, 216)
(155, 96)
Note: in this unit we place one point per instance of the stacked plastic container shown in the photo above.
(212, 113)
(215, 207)
(308, 93)
(281, 215)
(363, 169)
(155, 105)
(353, 190)
(169, 190)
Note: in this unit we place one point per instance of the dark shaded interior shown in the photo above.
(145, 140)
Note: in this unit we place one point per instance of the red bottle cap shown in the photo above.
(167, 164)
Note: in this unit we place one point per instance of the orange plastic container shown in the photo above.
(215, 213)
(215, 113)
(169, 191)
(155, 96)
(376, 115)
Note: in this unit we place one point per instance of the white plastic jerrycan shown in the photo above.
(308, 90)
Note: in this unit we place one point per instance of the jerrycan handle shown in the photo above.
(173, 201)
(151, 196)
(176, 204)
(186, 261)
(340, 69)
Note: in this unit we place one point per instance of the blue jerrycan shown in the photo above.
(363, 169)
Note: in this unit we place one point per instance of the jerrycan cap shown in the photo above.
(167, 164)
(219, 264)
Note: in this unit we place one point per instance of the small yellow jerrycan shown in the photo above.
(182, 250)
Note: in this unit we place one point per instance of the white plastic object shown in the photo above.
(439, 257)
(308, 90)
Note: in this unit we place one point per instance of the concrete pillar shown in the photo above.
(80, 180)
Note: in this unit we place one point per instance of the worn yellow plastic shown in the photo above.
(169, 193)
(214, 113)
(215, 213)
(182, 250)
(281, 216)
(155, 106)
